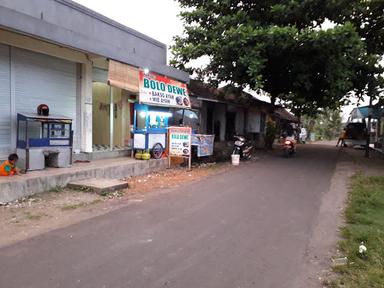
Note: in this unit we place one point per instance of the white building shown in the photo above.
(57, 52)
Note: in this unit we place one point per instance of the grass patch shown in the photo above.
(33, 216)
(68, 207)
(57, 189)
(83, 189)
(365, 222)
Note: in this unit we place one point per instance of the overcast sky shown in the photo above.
(155, 18)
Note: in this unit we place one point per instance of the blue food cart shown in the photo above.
(150, 128)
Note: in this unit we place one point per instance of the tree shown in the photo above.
(367, 16)
(276, 46)
(270, 133)
(326, 125)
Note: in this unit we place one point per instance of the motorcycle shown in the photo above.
(289, 146)
(243, 148)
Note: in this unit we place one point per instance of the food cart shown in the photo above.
(157, 94)
(164, 101)
(44, 141)
(150, 128)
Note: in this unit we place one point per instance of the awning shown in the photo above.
(123, 76)
(363, 112)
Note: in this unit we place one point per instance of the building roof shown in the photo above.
(283, 114)
(72, 25)
(363, 112)
(233, 95)
(227, 94)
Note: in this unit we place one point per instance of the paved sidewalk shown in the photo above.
(15, 187)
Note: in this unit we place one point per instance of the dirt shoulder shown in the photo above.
(317, 261)
(62, 207)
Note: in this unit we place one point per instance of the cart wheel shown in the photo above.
(157, 151)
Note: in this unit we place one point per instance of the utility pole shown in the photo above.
(367, 149)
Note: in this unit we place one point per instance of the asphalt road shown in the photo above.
(248, 227)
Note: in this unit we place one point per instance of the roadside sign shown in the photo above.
(204, 144)
(179, 143)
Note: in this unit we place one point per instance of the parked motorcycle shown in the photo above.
(243, 148)
(288, 145)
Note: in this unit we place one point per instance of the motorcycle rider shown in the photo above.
(289, 135)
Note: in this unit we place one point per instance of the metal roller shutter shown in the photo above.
(5, 102)
(42, 79)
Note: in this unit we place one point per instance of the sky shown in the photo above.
(155, 18)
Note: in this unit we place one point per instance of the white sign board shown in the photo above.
(180, 141)
(160, 90)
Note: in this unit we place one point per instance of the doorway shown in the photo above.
(210, 110)
(111, 118)
(230, 128)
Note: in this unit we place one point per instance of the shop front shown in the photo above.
(161, 100)
(28, 79)
(114, 92)
(133, 109)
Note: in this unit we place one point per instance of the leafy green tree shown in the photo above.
(270, 135)
(276, 46)
(367, 17)
(326, 125)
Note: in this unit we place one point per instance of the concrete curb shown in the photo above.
(14, 189)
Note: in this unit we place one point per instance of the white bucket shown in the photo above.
(235, 159)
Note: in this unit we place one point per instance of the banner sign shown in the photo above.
(180, 141)
(204, 144)
(160, 90)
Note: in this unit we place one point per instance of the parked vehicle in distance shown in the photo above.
(356, 133)
(243, 147)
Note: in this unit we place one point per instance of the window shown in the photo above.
(188, 118)
(191, 119)
(141, 120)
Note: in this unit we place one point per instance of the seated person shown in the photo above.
(8, 168)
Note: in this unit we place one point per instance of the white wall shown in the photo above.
(5, 103)
(253, 121)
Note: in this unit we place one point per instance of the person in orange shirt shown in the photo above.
(8, 168)
(343, 136)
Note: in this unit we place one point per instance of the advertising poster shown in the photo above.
(180, 141)
(160, 90)
(204, 144)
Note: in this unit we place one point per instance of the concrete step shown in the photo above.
(98, 185)
(99, 155)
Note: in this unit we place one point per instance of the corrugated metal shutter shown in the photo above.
(5, 102)
(42, 79)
